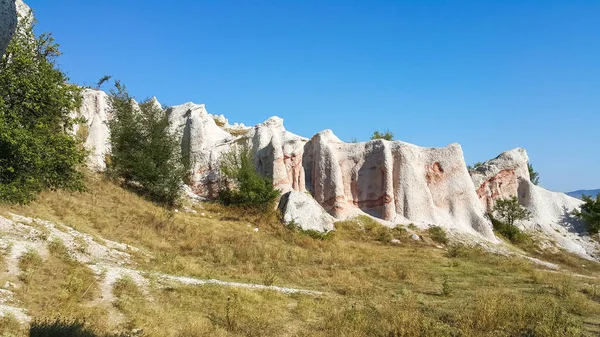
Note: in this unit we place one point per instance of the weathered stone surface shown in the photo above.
(507, 176)
(394, 181)
(8, 23)
(302, 210)
(95, 108)
(500, 177)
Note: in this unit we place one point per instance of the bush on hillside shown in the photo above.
(37, 151)
(144, 153)
(241, 185)
(590, 213)
(438, 234)
(511, 232)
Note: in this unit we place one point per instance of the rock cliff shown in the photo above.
(8, 23)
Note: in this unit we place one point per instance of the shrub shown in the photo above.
(510, 211)
(510, 232)
(438, 234)
(37, 151)
(144, 153)
(241, 185)
(590, 213)
(386, 135)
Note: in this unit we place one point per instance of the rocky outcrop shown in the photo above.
(8, 23)
(302, 210)
(500, 177)
(394, 181)
(95, 109)
(507, 176)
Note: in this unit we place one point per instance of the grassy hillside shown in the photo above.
(371, 286)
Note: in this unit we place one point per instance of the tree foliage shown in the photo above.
(387, 135)
(241, 185)
(590, 213)
(144, 153)
(510, 211)
(533, 175)
(37, 151)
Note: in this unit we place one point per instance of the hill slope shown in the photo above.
(580, 193)
(370, 284)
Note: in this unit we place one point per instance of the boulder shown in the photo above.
(8, 23)
(302, 210)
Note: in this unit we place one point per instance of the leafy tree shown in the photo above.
(510, 211)
(590, 213)
(533, 175)
(37, 151)
(241, 185)
(144, 154)
(387, 135)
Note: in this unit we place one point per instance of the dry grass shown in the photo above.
(374, 288)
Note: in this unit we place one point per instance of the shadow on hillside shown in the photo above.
(571, 222)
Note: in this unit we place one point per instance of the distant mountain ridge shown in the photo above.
(579, 193)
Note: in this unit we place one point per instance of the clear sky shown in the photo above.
(490, 75)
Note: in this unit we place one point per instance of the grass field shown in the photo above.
(371, 286)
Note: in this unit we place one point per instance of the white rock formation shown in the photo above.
(8, 23)
(95, 108)
(507, 175)
(394, 181)
(302, 210)
(23, 10)
(202, 144)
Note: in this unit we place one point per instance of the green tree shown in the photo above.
(387, 135)
(533, 175)
(241, 185)
(143, 151)
(510, 211)
(37, 150)
(590, 213)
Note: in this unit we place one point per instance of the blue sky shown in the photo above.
(490, 75)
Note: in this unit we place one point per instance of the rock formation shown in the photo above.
(8, 23)
(395, 181)
(95, 110)
(300, 209)
(507, 175)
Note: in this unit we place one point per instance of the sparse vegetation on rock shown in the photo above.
(386, 135)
